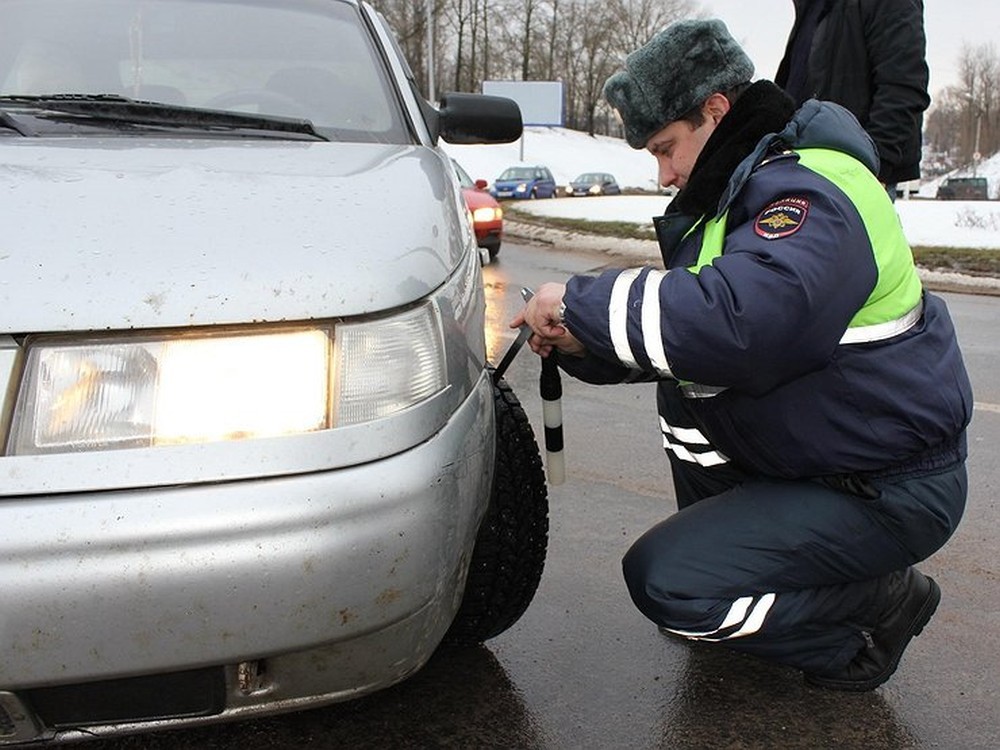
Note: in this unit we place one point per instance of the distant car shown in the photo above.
(963, 189)
(594, 183)
(487, 216)
(524, 182)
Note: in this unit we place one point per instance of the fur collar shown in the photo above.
(761, 109)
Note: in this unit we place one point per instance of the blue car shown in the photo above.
(524, 182)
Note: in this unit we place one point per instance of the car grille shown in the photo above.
(196, 692)
(16, 722)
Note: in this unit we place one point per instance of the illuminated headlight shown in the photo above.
(569, 190)
(486, 214)
(521, 187)
(595, 190)
(126, 392)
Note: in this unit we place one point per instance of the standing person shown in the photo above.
(869, 56)
(812, 396)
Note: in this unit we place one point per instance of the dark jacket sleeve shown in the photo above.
(870, 57)
(765, 312)
(894, 34)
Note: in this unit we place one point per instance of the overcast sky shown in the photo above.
(762, 27)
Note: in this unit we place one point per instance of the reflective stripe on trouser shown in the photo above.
(689, 444)
(789, 571)
(693, 480)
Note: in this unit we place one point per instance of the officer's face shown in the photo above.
(677, 146)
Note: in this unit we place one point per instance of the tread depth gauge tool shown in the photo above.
(550, 386)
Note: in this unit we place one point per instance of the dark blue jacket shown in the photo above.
(763, 324)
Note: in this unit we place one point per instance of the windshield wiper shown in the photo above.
(123, 111)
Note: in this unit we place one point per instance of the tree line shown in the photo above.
(582, 42)
(578, 42)
(965, 118)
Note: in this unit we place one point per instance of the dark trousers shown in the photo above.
(790, 571)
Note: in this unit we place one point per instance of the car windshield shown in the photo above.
(590, 178)
(518, 173)
(463, 177)
(305, 59)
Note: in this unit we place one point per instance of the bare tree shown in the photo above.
(528, 8)
(965, 120)
(408, 21)
(594, 61)
(460, 16)
(577, 42)
(634, 22)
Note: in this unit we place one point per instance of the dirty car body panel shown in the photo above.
(247, 425)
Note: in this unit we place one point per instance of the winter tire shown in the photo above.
(510, 548)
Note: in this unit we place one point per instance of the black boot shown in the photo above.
(911, 599)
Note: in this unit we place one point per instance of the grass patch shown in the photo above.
(972, 261)
(625, 229)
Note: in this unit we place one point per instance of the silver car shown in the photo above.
(593, 183)
(253, 456)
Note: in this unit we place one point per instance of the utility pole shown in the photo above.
(431, 95)
(976, 156)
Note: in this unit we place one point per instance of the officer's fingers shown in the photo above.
(552, 330)
(569, 344)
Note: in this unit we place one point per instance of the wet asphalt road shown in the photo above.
(583, 669)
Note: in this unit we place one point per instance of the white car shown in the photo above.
(253, 457)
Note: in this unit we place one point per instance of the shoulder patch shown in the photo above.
(781, 218)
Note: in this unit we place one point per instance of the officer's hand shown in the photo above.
(541, 313)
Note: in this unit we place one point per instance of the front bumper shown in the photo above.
(489, 235)
(332, 583)
(504, 191)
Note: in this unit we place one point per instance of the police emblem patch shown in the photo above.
(781, 218)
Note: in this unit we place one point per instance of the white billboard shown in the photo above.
(541, 102)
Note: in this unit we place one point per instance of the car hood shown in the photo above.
(475, 198)
(117, 234)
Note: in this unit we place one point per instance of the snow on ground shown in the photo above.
(569, 153)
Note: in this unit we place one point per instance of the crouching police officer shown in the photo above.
(812, 396)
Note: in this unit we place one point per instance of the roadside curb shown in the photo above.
(646, 252)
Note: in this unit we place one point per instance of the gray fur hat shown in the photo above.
(675, 71)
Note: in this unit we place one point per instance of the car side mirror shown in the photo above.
(478, 118)
(481, 184)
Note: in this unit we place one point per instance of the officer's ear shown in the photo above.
(715, 107)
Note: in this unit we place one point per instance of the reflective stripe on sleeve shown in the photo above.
(652, 335)
(618, 316)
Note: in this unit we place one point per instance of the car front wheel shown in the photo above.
(510, 548)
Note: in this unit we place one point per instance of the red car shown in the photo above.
(487, 216)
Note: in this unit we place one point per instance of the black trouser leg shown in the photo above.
(789, 570)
